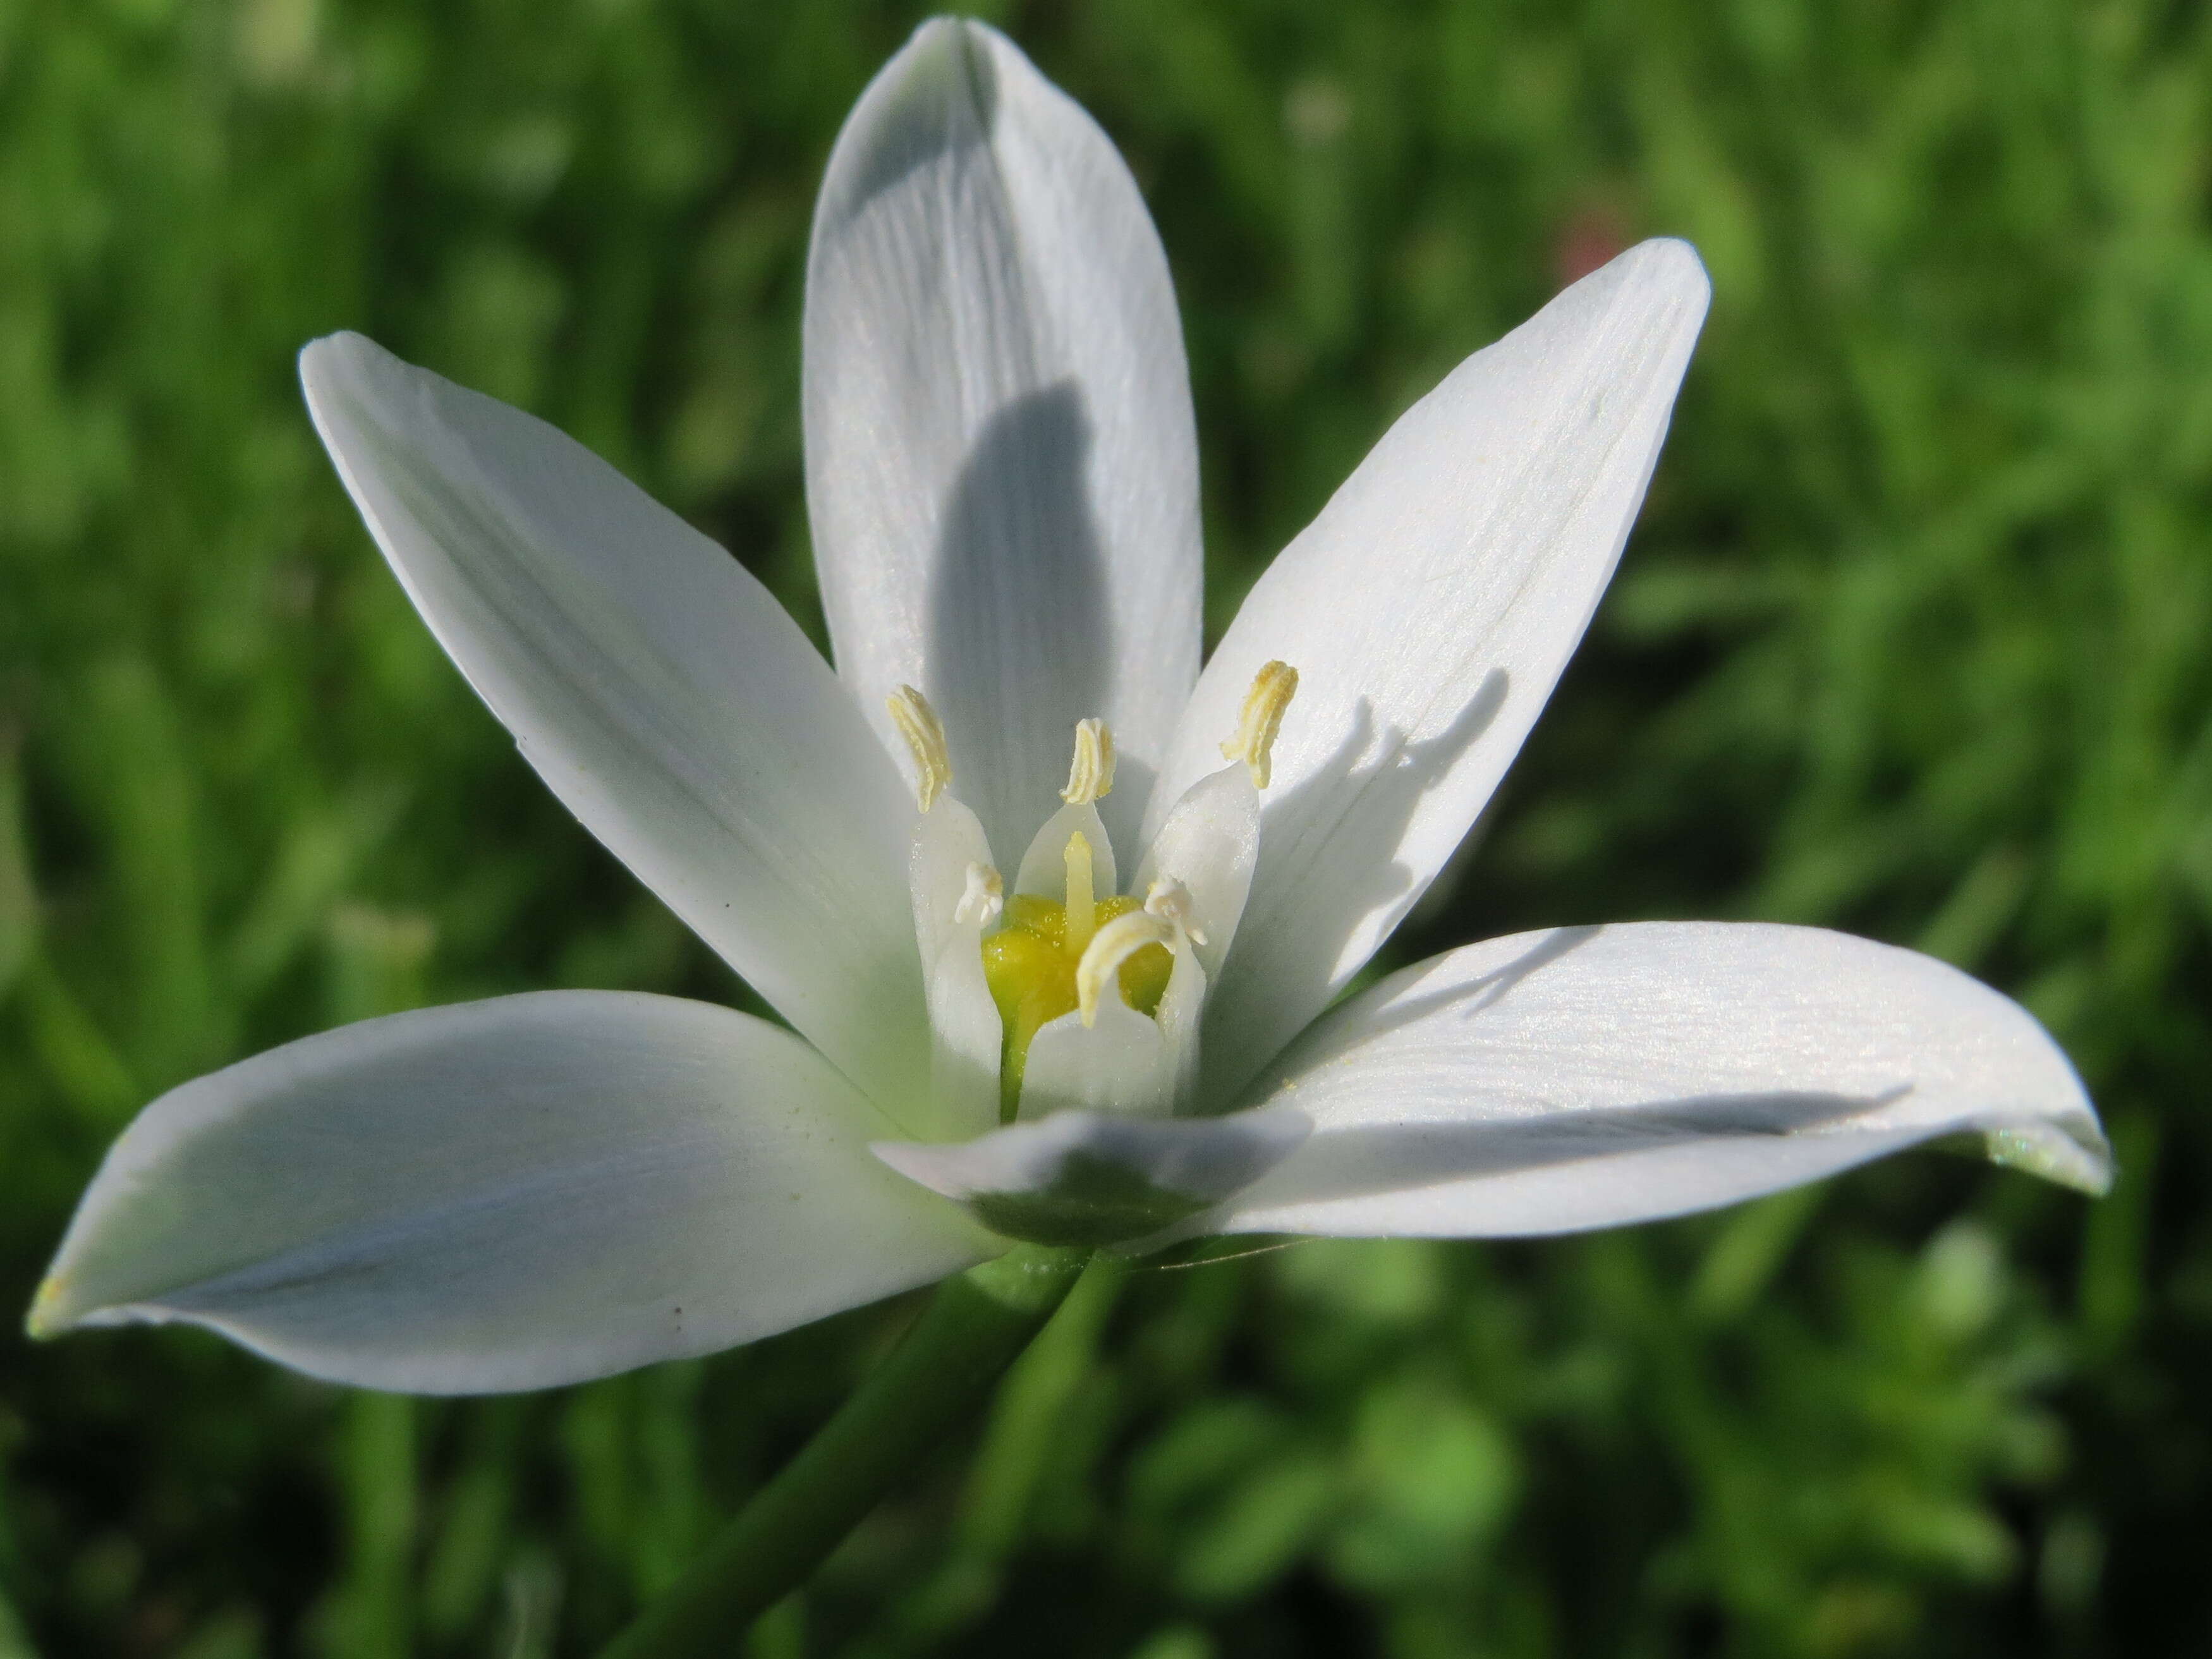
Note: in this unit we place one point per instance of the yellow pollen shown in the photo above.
(1113, 944)
(1090, 775)
(1272, 688)
(1082, 909)
(924, 732)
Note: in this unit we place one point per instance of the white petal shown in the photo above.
(1119, 1065)
(1044, 865)
(967, 1040)
(1182, 1005)
(1588, 1076)
(504, 1194)
(1093, 1178)
(1210, 844)
(1000, 464)
(655, 686)
(1429, 611)
(947, 840)
(966, 1033)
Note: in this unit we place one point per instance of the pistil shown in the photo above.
(1082, 908)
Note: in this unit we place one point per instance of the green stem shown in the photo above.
(972, 1330)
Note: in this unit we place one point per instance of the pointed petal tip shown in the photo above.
(48, 1316)
(940, 27)
(1670, 266)
(2073, 1154)
(335, 368)
(946, 33)
(1675, 258)
(326, 352)
(939, 47)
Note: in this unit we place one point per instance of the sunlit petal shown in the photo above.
(655, 685)
(1591, 1076)
(951, 910)
(1001, 469)
(1210, 842)
(1428, 611)
(504, 1194)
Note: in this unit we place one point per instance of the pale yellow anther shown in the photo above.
(1113, 945)
(1082, 906)
(1169, 899)
(924, 732)
(1253, 740)
(1090, 775)
(983, 898)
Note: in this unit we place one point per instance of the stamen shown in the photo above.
(1090, 775)
(1082, 908)
(984, 898)
(1113, 945)
(1272, 688)
(924, 732)
(1169, 899)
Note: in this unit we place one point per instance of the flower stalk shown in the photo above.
(975, 1326)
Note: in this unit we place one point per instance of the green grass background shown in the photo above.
(1912, 640)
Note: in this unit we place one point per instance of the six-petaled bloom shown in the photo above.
(995, 1035)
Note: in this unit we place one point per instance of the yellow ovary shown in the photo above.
(1033, 965)
(1031, 969)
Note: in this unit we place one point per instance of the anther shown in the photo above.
(924, 732)
(1169, 899)
(984, 897)
(1090, 775)
(1081, 908)
(1272, 688)
(1113, 945)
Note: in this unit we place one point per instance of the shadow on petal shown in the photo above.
(1018, 606)
(1323, 835)
(1095, 1178)
(1371, 1159)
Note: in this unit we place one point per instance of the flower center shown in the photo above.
(1030, 966)
(1057, 947)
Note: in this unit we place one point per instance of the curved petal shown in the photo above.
(966, 1032)
(1209, 841)
(947, 841)
(504, 1194)
(1429, 611)
(1096, 1178)
(1002, 466)
(1588, 1076)
(1120, 1065)
(1044, 865)
(1182, 1005)
(657, 688)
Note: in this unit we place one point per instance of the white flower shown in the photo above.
(1002, 478)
